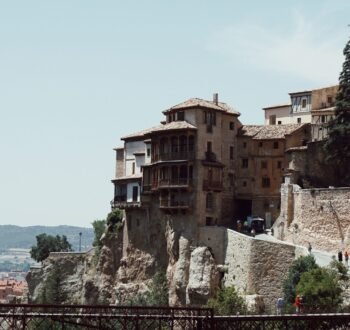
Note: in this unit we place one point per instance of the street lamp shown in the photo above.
(80, 241)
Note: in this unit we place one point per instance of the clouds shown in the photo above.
(311, 49)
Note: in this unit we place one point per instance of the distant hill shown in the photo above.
(25, 237)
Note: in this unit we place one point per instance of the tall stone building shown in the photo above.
(182, 169)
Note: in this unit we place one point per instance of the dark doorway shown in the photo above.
(244, 208)
(135, 193)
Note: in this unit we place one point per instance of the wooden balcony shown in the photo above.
(177, 155)
(120, 202)
(174, 205)
(212, 185)
(175, 183)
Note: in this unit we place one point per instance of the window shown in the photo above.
(232, 125)
(210, 117)
(298, 120)
(263, 164)
(265, 182)
(133, 168)
(272, 120)
(244, 145)
(148, 152)
(244, 183)
(303, 103)
(135, 193)
(231, 152)
(279, 122)
(137, 222)
(208, 221)
(260, 144)
(245, 163)
(275, 145)
(209, 149)
(279, 164)
(181, 115)
(330, 100)
(323, 118)
(210, 201)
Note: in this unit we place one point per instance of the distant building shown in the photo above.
(12, 290)
(311, 106)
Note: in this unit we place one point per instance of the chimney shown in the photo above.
(216, 98)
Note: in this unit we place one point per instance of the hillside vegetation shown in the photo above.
(25, 237)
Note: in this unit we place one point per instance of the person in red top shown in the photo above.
(297, 304)
(346, 255)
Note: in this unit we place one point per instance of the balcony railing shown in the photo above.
(176, 155)
(212, 185)
(168, 204)
(121, 202)
(174, 182)
(210, 156)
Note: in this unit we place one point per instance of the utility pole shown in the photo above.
(80, 241)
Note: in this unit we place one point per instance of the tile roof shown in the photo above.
(196, 102)
(175, 125)
(269, 132)
(277, 106)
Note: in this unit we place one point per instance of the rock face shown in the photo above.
(196, 265)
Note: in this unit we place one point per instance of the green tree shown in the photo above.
(320, 289)
(46, 244)
(227, 302)
(337, 146)
(298, 267)
(99, 227)
(114, 217)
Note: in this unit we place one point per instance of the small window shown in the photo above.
(275, 145)
(208, 221)
(279, 122)
(265, 182)
(330, 100)
(133, 168)
(231, 152)
(272, 120)
(181, 116)
(263, 164)
(210, 201)
(137, 222)
(232, 125)
(209, 146)
(260, 144)
(279, 164)
(303, 103)
(148, 152)
(244, 183)
(323, 118)
(298, 120)
(244, 145)
(245, 163)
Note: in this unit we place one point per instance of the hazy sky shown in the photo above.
(76, 75)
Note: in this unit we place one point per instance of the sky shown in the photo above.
(77, 75)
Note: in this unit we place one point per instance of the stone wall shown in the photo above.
(252, 265)
(318, 216)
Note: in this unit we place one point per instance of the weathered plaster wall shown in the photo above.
(319, 216)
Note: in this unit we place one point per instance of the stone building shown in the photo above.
(314, 106)
(260, 167)
(184, 167)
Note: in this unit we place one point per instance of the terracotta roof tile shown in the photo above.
(269, 132)
(196, 102)
(175, 125)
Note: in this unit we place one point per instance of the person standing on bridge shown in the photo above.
(279, 306)
(309, 248)
(297, 304)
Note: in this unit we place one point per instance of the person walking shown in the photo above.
(346, 255)
(340, 256)
(279, 306)
(309, 248)
(297, 304)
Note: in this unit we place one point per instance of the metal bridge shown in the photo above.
(71, 317)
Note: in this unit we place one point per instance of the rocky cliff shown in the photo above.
(195, 267)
